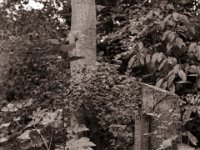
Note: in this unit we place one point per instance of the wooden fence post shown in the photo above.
(164, 116)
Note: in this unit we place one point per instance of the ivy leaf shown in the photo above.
(192, 138)
(183, 146)
(182, 75)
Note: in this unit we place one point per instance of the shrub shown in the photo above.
(110, 99)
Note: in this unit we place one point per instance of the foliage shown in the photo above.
(155, 41)
(111, 99)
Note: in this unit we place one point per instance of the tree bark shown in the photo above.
(83, 29)
(83, 34)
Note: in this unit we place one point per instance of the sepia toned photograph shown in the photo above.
(99, 74)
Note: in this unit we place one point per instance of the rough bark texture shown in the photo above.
(83, 28)
(166, 106)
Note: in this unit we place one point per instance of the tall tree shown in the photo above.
(83, 35)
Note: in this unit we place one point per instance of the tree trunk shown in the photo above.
(83, 34)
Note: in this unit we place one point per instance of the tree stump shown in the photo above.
(159, 119)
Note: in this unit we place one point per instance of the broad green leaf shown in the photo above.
(182, 75)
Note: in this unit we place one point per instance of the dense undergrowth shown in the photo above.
(156, 42)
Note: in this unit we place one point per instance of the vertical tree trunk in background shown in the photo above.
(83, 34)
(84, 24)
